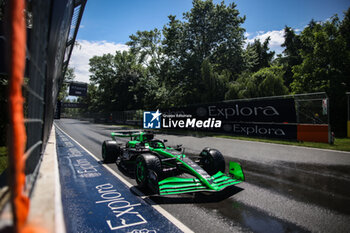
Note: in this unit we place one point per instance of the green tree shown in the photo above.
(68, 77)
(209, 32)
(325, 59)
(325, 65)
(150, 90)
(91, 99)
(271, 81)
(103, 75)
(214, 84)
(251, 59)
(257, 55)
(115, 76)
(291, 54)
(344, 28)
(267, 81)
(147, 46)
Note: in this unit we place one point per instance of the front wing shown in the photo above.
(219, 181)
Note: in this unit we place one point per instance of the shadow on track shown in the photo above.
(189, 198)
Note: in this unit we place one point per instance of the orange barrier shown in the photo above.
(312, 133)
(20, 201)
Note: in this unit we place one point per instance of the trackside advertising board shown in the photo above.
(276, 111)
(73, 105)
(77, 89)
(262, 118)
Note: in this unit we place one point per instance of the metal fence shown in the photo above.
(51, 32)
(312, 108)
(50, 44)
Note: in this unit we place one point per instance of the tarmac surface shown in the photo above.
(287, 188)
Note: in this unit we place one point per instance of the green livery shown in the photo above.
(165, 170)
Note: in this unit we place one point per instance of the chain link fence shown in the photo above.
(51, 32)
(312, 108)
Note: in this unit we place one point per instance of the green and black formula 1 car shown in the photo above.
(165, 170)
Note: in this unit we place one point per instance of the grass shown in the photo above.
(341, 144)
(3, 159)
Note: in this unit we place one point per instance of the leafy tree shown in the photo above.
(325, 65)
(103, 75)
(214, 31)
(209, 32)
(150, 89)
(257, 55)
(291, 53)
(251, 59)
(265, 82)
(147, 46)
(214, 85)
(91, 99)
(68, 77)
(115, 77)
(325, 59)
(271, 82)
(150, 93)
(344, 28)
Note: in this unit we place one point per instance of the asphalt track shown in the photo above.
(265, 202)
(95, 201)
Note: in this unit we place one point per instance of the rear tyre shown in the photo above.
(144, 164)
(110, 151)
(212, 161)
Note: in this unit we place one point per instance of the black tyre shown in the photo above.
(212, 161)
(110, 151)
(145, 163)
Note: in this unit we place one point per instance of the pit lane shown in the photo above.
(257, 205)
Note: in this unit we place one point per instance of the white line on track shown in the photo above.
(162, 211)
(59, 219)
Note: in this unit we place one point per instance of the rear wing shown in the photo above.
(124, 134)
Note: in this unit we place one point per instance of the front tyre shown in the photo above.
(146, 164)
(212, 161)
(110, 151)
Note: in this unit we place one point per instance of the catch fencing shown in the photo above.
(51, 28)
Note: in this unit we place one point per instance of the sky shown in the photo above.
(107, 24)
